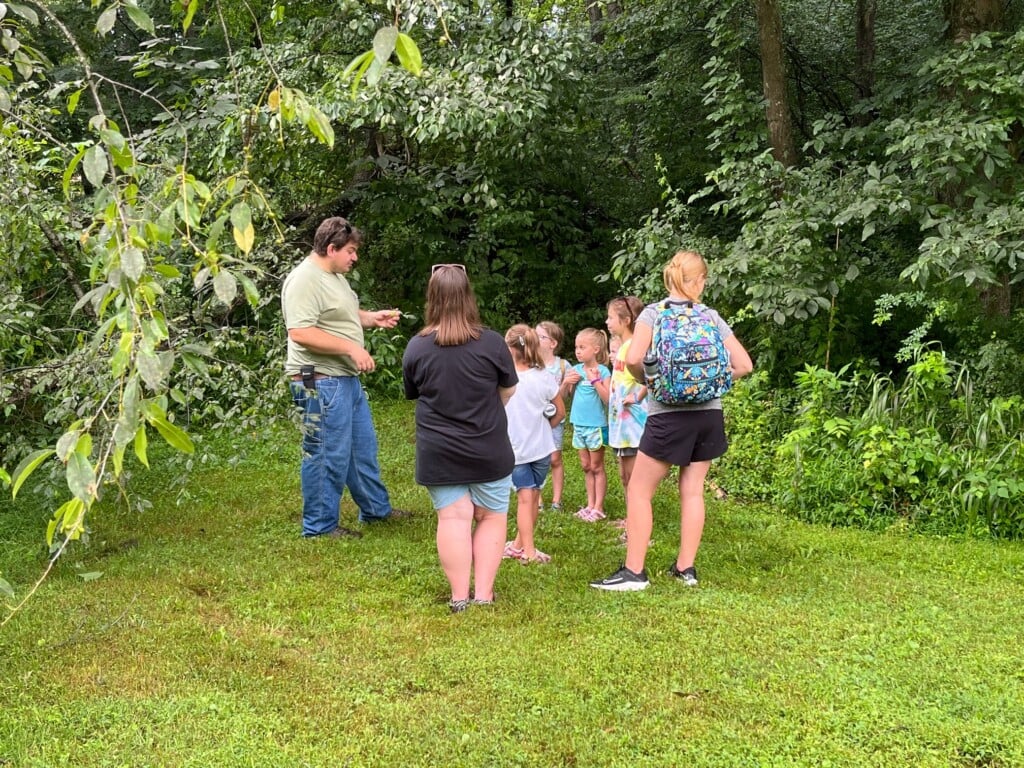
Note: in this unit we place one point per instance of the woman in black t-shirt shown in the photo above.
(461, 374)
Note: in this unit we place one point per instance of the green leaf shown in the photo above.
(241, 215)
(95, 164)
(384, 43)
(356, 63)
(167, 270)
(252, 294)
(28, 14)
(375, 70)
(27, 466)
(225, 286)
(320, 126)
(6, 588)
(67, 442)
(112, 138)
(73, 101)
(140, 446)
(990, 167)
(133, 263)
(176, 438)
(367, 62)
(68, 518)
(409, 54)
(90, 576)
(190, 12)
(69, 172)
(81, 477)
(106, 21)
(140, 18)
(154, 368)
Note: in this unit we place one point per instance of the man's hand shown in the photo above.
(382, 318)
(364, 363)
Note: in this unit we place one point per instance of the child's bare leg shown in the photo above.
(600, 479)
(626, 470)
(557, 477)
(588, 478)
(526, 518)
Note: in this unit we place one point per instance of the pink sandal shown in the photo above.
(512, 552)
(538, 557)
(589, 515)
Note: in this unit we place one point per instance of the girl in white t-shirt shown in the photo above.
(529, 431)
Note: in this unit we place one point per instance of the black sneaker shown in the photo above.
(688, 575)
(623, 580)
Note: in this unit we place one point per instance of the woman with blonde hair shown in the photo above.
(686, 435)
(461, 375)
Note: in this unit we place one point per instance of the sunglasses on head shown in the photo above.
(436, 267)
(625, 303)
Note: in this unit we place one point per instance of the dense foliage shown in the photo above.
(167, 164)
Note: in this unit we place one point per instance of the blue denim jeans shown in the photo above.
(339, 448)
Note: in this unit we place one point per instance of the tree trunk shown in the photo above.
(966, 18)
(865, 52)
(773, 76)
(595, 14)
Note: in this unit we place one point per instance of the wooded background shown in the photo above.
(851, 169)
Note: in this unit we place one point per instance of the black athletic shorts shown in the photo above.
(682, 437)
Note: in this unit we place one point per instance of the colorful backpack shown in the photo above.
(692, 363)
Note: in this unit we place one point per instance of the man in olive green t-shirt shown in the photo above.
(325, 357)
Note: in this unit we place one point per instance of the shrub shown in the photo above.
(756, 418)
(923, 450)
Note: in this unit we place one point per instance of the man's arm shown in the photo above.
(320, 341)
(382, 318)
(505, 393)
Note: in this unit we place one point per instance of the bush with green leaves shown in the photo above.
(871, 451)
(757, 417)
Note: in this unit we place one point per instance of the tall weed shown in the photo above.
(924, 451)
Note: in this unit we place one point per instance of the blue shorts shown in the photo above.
(589, 438)
(493, 495)
(532, 474)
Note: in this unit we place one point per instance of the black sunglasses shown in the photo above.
(629, 309)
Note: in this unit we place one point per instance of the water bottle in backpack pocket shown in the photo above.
(689, 363)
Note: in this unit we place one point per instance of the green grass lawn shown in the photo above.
(216, 636)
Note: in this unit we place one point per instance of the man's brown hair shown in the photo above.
(335, 231)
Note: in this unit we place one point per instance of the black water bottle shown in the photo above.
(651, 365)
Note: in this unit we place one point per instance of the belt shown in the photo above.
(316, 376)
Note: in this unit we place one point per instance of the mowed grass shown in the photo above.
(216, 636)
